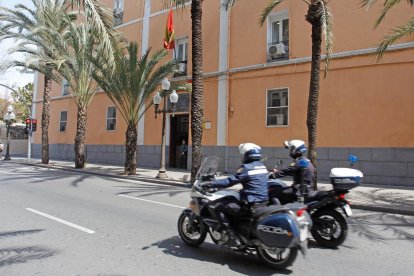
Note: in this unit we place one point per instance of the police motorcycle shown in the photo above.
(276, 233)
(329, 228)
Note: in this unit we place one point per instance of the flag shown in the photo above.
(169, 32)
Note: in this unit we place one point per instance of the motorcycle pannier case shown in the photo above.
(344, 179)
(278, 230)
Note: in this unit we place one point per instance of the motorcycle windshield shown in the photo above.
(209, 166)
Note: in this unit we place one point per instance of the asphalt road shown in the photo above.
(64, 223)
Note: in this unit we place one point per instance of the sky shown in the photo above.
(12, 77)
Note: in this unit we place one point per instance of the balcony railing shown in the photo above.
(182, 69)
(278, 50)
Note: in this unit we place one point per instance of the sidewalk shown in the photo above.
(378, 198)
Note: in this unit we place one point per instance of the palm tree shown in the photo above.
(197, 99)
(23, 24)
(319, 16)
(75, 52)
(130, 86)
(395, 34)
(101, 19)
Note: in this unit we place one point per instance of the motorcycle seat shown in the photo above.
(316, 195)
(269, 210)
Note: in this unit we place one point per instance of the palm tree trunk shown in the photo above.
(314, 18)
(80, 156)
(46, 119)
(197, 113)
(131, 137)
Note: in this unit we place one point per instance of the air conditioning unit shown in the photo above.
(279, 119)
(182, 68)
(276, 50)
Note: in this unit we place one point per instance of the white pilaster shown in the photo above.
(144, 47)
(223, 79)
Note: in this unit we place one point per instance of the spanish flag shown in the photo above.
(169, 32)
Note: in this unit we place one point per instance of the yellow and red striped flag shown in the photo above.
(169, 32)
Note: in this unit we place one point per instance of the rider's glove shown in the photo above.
(206, 185)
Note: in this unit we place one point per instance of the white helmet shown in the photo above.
(250, 152)
(297, 147)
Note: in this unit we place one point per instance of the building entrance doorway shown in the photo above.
(179, 127)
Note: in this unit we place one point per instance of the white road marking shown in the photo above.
(156, 202)
(61, 221)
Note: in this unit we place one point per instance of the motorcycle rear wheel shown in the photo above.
(280, 260)
(329, 236)
(192, 233)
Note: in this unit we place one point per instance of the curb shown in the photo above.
(375, 208)
(382, 209)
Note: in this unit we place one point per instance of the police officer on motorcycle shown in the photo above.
(297, 149)
(253, 175)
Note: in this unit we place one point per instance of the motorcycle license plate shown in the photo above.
(347, 210)
(304, 233)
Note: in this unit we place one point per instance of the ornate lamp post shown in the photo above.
(8, 119)
(162, 172)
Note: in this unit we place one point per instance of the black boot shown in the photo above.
(233, 240)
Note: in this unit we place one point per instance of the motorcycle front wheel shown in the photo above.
(329, 228)
(191, 229)
(279, 259)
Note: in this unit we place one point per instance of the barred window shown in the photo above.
(63, 121)
(111, 118)
(277, 107)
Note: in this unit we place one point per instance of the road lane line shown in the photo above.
(156, 202)
(61, 221)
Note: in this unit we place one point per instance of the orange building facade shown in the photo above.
(256, 83)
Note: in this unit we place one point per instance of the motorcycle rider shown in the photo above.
(297, 148)
(253, 175)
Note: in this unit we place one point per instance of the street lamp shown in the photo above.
(162, 172)
(8, 119)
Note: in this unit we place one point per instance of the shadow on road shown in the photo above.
(384, 196)
(19, 233)
(16, 255)
(148, 190)
(383, 227)
(239, 262)
(32, 175)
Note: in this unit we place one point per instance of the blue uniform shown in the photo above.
(253, 176)
(293, 170)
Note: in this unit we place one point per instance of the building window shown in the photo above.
(65, 87)
(111, 118)
(277, 107)
(63, 121)
(118, 12)
(278, 36)
(181, 55)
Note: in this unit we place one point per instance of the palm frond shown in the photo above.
(326, 23)
(395, 35)
(368, 3)
(388, 5)
(133, 80)
(229, 3)
(179, 4)
(269, 8)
